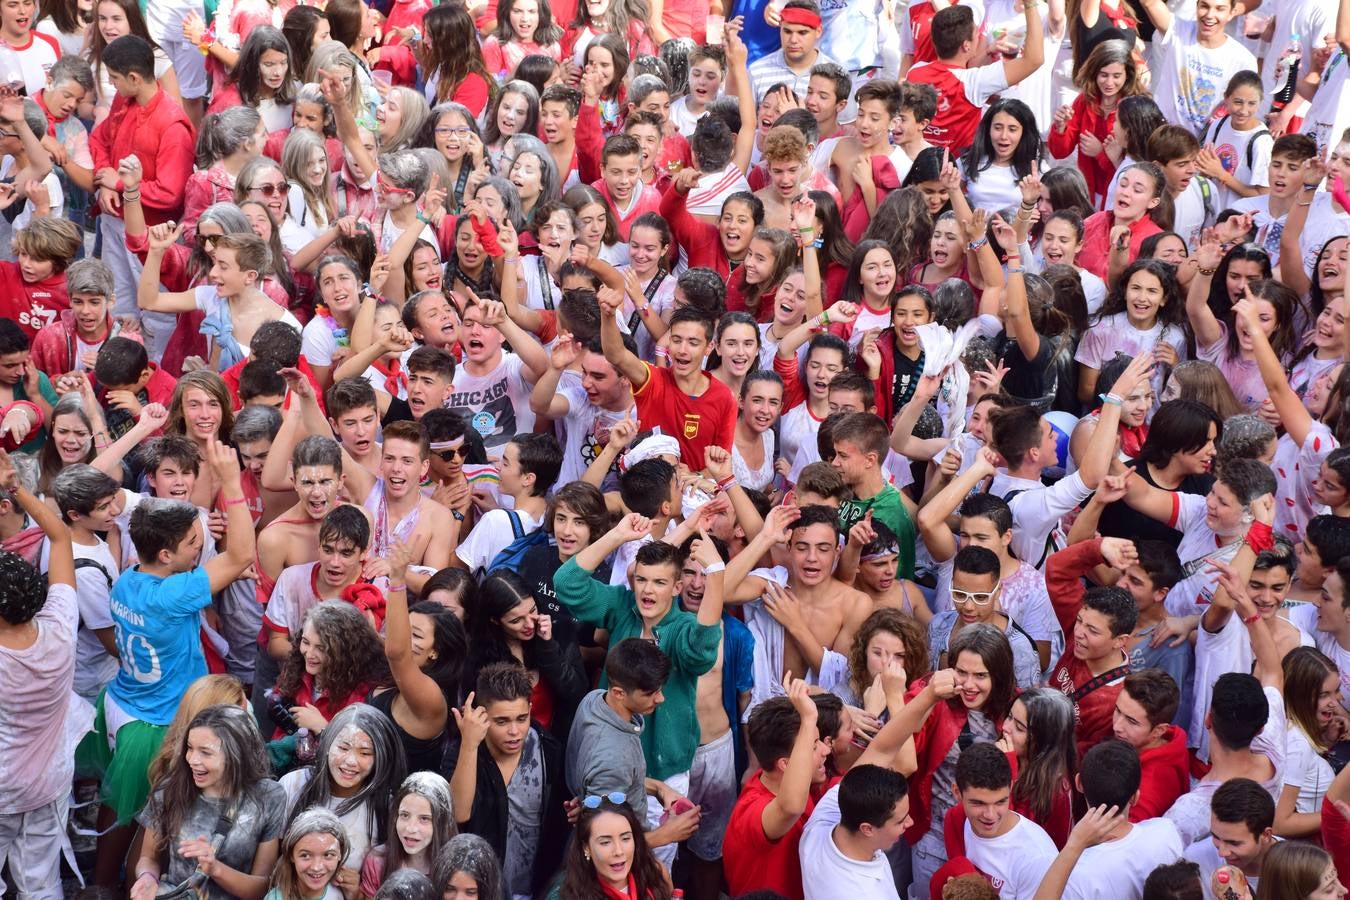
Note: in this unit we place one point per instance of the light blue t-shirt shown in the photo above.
(158, 635)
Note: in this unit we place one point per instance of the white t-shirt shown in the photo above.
(358, 822)
(1324, 223)
(1195, 210)
(57, 206)
(1094, 289)
(491, 536)
(1118, 868)
(534, 275)
(1037, 509)
(797, 428)
(1268, 227)
(1306, 770)
(1114, 334)
(1309, 19)
(1014, 862)
(583, 422)
(826, 873)
(497, 404)
(1189, 80)
(292, 598)
(209, 302)
(683, 118)
(318, 342)
(94, 666)
(1231, 146)
(995, 189)
(1328, 114)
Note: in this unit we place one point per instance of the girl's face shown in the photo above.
(1005, 133)
(945, 247)
(739, 348)
(879, 576)
(462, 886)
(72, 438)
(1329, 489)
(1319, 392)
(1015, 727)
(453, 136)
(935, 195)
(1171, 249)
(316, 858)
(524, 18)
(493, 202)
(1198, 462)
(527, 174)
(350, 760)
(1240, 272)
(1330, 325)
(1110, 79)
(451, 600)
(112, 21)
(423, 629)
(1135, 195)
(338, 288)
(645, 249)
(1330, 887)
(308, 116)
(1267, 319)
(1331, 270)
(734, 227)
(275, 67)
(322, 33)
(1134, 411)
(910, 312)
(206, 760)
(468, 247)
(519, 621)
(1045, 204)
(1243, 105)
(315, 172)
(312, 651)
(511, 113)
(759, 262)
(611, 848)
(596, 9)
(885, 647)
(973, 682)
(790, 299)
(593, 220)
(761, 405)
(822, 365)
(556, 232)
(389, 114)
(601, 60)
(259, 219)
(570, 530)
(201, 413)
(426, 269)
(1059, 243)
(877, 275)
(415, 824)
(1144, 297)
(272, 179)
(1328, 699)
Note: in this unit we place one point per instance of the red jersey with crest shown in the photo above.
(700, 422)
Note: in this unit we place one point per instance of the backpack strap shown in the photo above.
(86, 563)
(1207, 198)
(1216, 124)
(1251, 145)
(517, 530)
(1099, 681)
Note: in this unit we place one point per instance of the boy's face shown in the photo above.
(654, 589)
(1179, 173)
(1268, 588)
(688, 347)
(657, 102)
(273, 400)
(1131, 724)
(402, 467)
(798, 42)
(786, 177)
(851, 462)
(821, 100)
(481, 342)
(1285, 179)
(101, 517)
(705, 80)
(128, 85)
(1140, 585)
(846, 401)
(355, 430)
(253, 455)
(171, 480)
(90, 311)
(980, 531)
(904, 127)
(621, 175)
(1092, 638)
(31, 268)
(642, 703)
(556, 121)
(508, 724)
(13, 366)
(1235, 843)
(317, 487)
(427, 390)
(1212, 15)
(184, 557)
(812, 552)
(649, 139)
(1331, 614)
(1310, 568)
(509, 470)
(63, 99)
(874, 123)
(339, 562)
(811, 498)
(985, 809)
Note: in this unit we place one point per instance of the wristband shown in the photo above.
(1310, 187)
(1260, 537)
(816, 244)
(396, 588)
(725, 483)
(1027, 206)
(1251, 619)
(234, 501)
(825, 317)
(510, 260)
(1112, 399)
(1015, 270)
(716, 567)
(1208, 272)
(976, 245)
(458, 516)
(662, 353)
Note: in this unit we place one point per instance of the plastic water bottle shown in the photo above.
(1286, 70)
(11, 72)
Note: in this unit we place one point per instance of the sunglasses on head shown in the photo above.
(594, 800)
(271, 189)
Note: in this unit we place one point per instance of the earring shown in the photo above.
(431, 657)
(587, 855)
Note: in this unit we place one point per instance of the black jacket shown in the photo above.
(488, 817)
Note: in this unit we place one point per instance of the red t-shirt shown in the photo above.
(33, 305)
(750, 860)
(1093, 712)
(1335, 838)
(696, 422)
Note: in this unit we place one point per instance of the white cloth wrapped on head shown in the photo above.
(656, 445)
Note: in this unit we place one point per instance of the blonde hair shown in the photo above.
(48, 238)
(207, 691)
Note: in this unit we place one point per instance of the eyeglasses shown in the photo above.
(270, 189)
(449, 455)
(390, 187)
(594, 801)
(979, 598)
(446, 131)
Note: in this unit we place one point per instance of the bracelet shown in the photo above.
(810, 230)
(1260, 537)
(1015, 270)
(976, 245)
(1112, 399)
(1205, 272)
(725, 483)
(825, 317)
(1309, 203)
(816, 244)
(510, 260)
(1027, 206)
(131, 195)
(234, 501)
(1254, 617)
(396, 588)
(458, 516)
(662, 353)
(716, 567)
(1310, 187)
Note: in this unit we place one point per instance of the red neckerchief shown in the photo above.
(394, 377)
(1131, 437)
(615, 895)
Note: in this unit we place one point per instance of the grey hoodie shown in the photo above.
(604, 754)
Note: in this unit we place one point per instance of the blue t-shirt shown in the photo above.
(158, 627)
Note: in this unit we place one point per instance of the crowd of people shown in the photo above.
(629, 449)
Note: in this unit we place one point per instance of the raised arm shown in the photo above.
(1018, 317)
(1294, 416)
(937, 534)
(776, 530)
(1159, 13)
(611, 340)
(1101, 448)
(545, 399)
(148, 295)
(109, 460)
(522, 315)
(1033, 51)
(1091, 830)
(1203, 321)
(789, 803)
(61, 564)
(223, 569)
(1292, 271)
(416, 688)
(349, 132)
(738, 75)
(892, 736)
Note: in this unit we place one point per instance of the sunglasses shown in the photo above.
(616, 797)
(392, 188)
(979, 598)
(207, 240)
(271, 189)
(449, 455)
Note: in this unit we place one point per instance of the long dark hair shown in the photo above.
(1173, 310)
(135, 23)
(1283, 339)
(431, 787)
(1068, 191)
(451, 646)
(1051, 754)
(980, 154)
(1139, 116)
(617, 45)
(992, 647)
(1219, 303)
(838, 248)
(545, 31)
(903, 222)
(580, 882)
(452, 51)
(298, 27)
(853, 288)
(1317, 300)
(65, 14)
(498, 594)
(245, 765)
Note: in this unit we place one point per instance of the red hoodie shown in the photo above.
(1164, 776)
(34, 305)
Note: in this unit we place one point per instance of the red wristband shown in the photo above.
(1252, 618)
(1260, 537)
(235, 501)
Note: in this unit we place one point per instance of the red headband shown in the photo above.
(795, 15)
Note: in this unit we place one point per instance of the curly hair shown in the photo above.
(911, 635)
(23, 589)
(353, 653)
(903, 222)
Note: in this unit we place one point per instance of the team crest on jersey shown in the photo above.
(691, 426)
